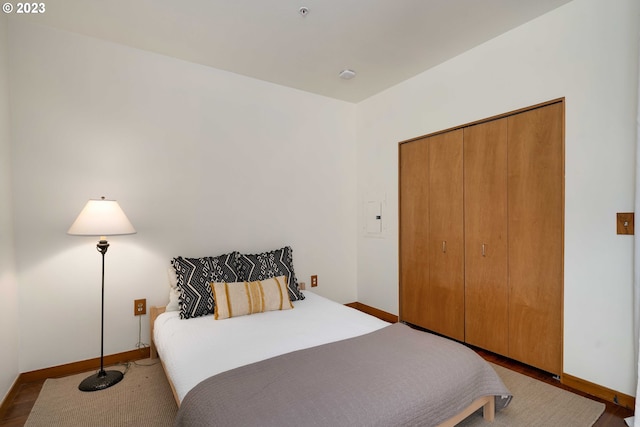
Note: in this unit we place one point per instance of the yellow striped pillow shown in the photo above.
(242, 298)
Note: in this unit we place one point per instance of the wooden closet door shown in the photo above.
(485, 197)
(536, 229)
(414, 230)
(445, 302)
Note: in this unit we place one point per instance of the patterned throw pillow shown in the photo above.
(194, 276)
(243, 298)
(252, 267)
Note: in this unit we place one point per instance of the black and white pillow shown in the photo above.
(279, 262)
(194, 276)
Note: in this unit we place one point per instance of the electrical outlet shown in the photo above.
(139, 307)
(302, 286)
(314, 281)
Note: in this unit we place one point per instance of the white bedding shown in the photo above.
(195, 349)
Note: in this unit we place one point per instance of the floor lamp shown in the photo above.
(101, 218)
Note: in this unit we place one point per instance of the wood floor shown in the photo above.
(614, 415)
(19, 409)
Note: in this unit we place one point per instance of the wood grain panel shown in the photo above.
(445, 302)
(536, 229)
(486, 276)
(414, 230)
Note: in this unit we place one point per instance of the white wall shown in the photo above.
(586, 51)
(9, 366)
(202, 161)
(205, 161)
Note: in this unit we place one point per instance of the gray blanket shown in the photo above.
(396, 376)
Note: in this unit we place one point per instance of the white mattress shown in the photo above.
(195, 349)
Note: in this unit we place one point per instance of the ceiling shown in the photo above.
(384, 41)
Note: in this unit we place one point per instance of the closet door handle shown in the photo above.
(444, 246)
(484, 249)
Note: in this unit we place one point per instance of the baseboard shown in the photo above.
(69, 369)
(596, 390)
(387, 317)
(83, 366)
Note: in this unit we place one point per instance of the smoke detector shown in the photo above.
(347, 74)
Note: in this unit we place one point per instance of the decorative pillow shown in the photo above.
(174, 301)
(194, 276)
(270, 264)
(242, 298)
(174, 293)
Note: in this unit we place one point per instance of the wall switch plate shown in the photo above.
(139, 307)
(624, 223)
(314, 281)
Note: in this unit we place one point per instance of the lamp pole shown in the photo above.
(103, 379)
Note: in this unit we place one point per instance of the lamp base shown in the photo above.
(101, 380)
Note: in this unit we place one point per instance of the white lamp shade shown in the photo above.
(101, 218)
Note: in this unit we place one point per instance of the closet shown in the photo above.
(481, 234)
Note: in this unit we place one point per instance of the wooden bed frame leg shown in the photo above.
(488, 405)
(489, 410)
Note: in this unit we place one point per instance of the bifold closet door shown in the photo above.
(486, 252)
(431, 234)
(414, 230)
(445, 302)
(536, 229)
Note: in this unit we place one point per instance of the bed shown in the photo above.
(268, 354)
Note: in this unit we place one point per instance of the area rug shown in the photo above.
(537, 404)
(144, 398)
